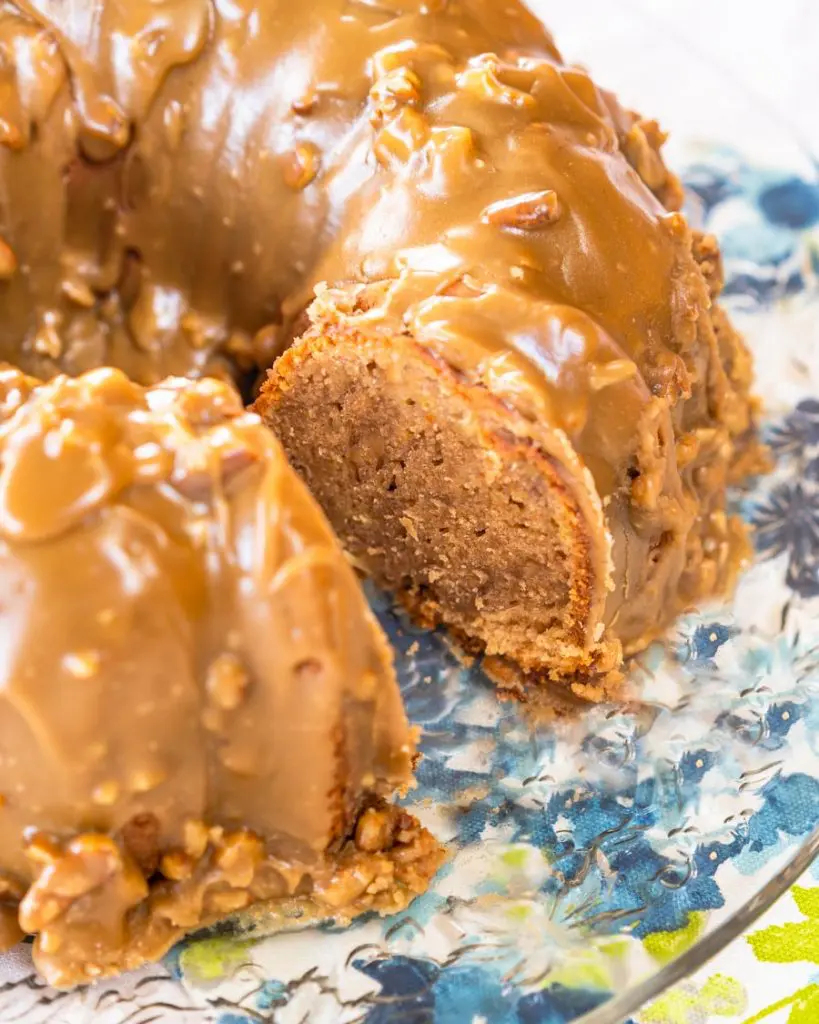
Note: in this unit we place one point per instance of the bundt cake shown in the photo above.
(198, 712)
(453, 275)
(514, 396)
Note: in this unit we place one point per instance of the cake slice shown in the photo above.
(199, 718)
(516, 396)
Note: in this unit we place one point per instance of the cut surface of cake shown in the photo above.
(198, 712)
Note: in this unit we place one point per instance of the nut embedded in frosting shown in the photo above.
(527, 212)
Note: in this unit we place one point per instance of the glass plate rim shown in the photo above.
(620, 1007)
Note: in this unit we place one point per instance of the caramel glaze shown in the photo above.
(185, 649)
(179, 176)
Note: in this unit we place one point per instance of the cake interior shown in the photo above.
(433, 493)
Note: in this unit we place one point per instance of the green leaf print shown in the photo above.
(807, 900)
(804, 1007)
(667, 946)
(795, 941)
(205, 960)
(787, 943)
(720, 996)
(792, 943)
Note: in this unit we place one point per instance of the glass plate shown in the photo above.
(593, 862)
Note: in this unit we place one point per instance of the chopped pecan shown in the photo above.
(530, 211)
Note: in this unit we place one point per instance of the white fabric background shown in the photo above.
(741, 71)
